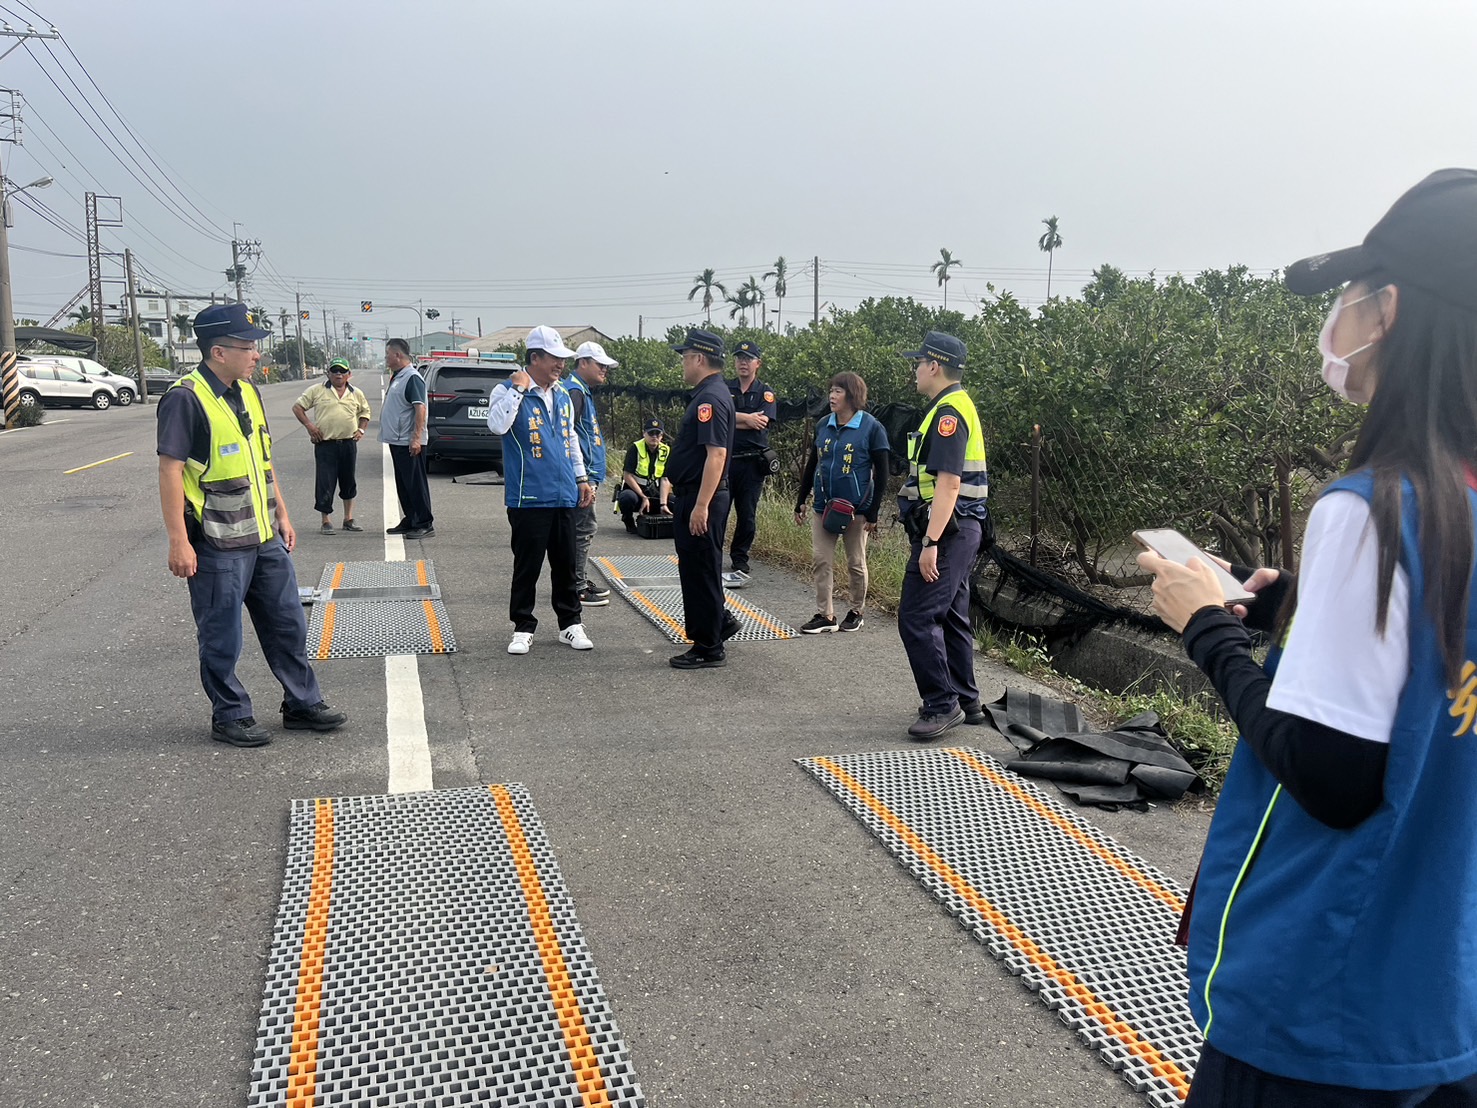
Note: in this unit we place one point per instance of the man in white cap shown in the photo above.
(544, 481)
(591, 364)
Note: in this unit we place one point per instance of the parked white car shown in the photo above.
(60, 386)
(125, 388)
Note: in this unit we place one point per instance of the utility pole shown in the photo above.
(283, 332)
(640, 323)
(302, 362)
(168, 334)
(138, 342)
(327, 338)
(816, 268)
(241, 248)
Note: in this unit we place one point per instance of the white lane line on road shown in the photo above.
(405, 707)
(91, 465)
(46, 423)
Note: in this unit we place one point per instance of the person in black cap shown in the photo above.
(229, 532)
(1334, 910)
(698, 470)
(944, 509)
(755, 409)
(644, 474)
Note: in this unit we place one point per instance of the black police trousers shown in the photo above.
(700, 569)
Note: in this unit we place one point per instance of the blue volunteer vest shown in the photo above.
(592, 445)
(538, 464)
(1350, 957)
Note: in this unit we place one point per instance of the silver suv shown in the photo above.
(57, 386)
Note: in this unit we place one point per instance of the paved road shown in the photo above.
(757, 945)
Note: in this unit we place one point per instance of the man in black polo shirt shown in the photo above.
(755, 409)
(698, 470)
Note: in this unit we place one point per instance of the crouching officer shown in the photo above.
(698, 468)
(943, 507)
(644, 473)
(229, 533)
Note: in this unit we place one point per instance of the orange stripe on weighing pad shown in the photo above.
(302, 1066)
(1122, 865)
(338, 575)
(758, 617)
(572, 1023)
(434, 626)
(1094, 1008)
(325, 640)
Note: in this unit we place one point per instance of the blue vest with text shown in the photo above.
(1350, 957)
(591, 444)
(538, 462)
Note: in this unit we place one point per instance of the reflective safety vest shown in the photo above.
(974, 482)
(232, 496)
(643, 461)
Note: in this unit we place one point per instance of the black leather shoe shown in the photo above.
(421, 533)
(240, 732)
(974, 713)
(694, 659)
(731, 626)
(399, 528)
(320, 717)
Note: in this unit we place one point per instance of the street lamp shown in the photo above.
(38, 183)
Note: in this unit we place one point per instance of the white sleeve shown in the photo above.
(502, 408)
(1337, 669)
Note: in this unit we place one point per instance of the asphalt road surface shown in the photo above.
(757, 945)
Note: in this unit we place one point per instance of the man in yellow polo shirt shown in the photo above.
(335, 414)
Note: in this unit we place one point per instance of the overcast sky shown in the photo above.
(580, 162)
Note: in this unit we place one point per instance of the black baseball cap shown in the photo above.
(747, 349)
(1427, 240)
(704, 342)
(653, 427)
(948, 351)
(226, 321)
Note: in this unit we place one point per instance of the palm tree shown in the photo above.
(778, 273)
(1049, 243)
(756, 297)
(83, 314)
(707, 280)
(945, 263)
(741, 301)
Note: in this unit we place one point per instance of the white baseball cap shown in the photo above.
(546, 338)
(596, 351)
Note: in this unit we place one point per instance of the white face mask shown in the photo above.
(1336, 368)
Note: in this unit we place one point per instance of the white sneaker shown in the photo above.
(521, 642)
(574, 635)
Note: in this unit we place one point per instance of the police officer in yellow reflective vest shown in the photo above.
(229, 532)
(943, 507)
(647, 489)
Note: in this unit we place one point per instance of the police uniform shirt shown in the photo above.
(943, 452)
(183, 431)
(753, 401)
(707, 422)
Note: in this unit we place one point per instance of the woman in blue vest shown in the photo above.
(1333, 938)
(847, 468)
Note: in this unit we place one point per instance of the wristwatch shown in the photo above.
(927, 542)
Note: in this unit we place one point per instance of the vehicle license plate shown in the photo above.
(476, 413)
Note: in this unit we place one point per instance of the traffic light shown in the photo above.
(366, 305)
(432, 313)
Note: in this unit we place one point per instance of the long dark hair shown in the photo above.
(1422, 427)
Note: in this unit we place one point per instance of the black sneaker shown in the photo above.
(592, 599)
(932, 725)
(818, 625)
(696, 659)
(740, 567)
(852, 622)
(974, 713)
(240, 732)
(320, 717)
(590, 586)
